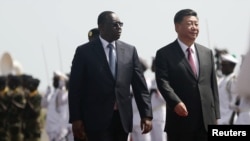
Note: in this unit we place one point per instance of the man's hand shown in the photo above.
(146, 125)
(78, 130)
(181, 110)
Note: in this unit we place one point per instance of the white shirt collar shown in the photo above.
(184, 47)
(105, 43)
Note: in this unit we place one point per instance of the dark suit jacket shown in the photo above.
(177, 83)
(93, 90)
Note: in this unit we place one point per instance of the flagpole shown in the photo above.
(45, 64)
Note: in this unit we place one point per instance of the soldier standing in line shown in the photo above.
(93, 34)
(159, 110)
(4, 102)
(227, 89)
(16, 108)
(32, 112)
(136, 134)
(55, 102)
(25, 82)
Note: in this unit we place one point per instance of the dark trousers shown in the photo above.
(115, 132)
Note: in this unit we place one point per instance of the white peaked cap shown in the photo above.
(10, 66)
(6, 64)
(60, 74)
(229, 58)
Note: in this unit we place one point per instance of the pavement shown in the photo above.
(44, 136)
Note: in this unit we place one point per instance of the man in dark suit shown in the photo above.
(187, 82)
(100, 103)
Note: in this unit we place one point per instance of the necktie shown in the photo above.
(191, 61)
(112, 60)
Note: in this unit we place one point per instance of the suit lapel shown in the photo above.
(120, 56)
(101, 56)
(183, 58)
(201, 61)
(100, 53)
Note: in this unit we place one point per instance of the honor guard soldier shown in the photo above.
(16, 109)
(93, 34)
(227, 89)
(4, 102)
(32, 112)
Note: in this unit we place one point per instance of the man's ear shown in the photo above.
(176, 25)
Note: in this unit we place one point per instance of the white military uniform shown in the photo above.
(159, 115)
(136, 133)
(244, 91)
(227, 92)
(244, 111)
(56, 103)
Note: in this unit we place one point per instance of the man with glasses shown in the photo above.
(102, 72)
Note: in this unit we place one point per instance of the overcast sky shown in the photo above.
(43, 34)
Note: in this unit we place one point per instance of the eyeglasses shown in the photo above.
(117, 24)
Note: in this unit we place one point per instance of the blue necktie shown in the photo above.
(112, 60)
